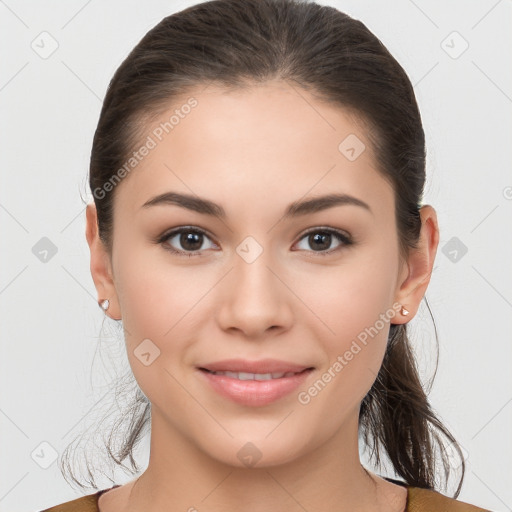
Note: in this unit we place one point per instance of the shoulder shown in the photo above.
(84, 504)
(424, 500)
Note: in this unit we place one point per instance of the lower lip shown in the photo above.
(255, 392)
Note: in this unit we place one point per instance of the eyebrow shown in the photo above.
(295, 209)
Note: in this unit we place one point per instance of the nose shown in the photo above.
(255, 299)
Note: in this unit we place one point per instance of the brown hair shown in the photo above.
(322, 50)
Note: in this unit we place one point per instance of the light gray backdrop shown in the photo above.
(57, 59)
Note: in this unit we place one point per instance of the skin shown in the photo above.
(255, 151)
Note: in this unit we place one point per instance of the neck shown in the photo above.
(180, 476)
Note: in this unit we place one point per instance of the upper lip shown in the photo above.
(261, 366)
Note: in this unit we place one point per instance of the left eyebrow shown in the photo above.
(318, 204)
(295, 209)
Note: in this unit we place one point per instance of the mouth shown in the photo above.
(254, 376)
(260, 367)
(254, 383)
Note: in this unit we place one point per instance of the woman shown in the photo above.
(257, 172)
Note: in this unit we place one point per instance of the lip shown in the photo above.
(254, 392)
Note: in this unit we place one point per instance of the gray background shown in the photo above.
(51, 373)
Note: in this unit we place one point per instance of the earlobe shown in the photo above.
(420, 265)
(101, 267)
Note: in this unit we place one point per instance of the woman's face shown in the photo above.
(266, 279)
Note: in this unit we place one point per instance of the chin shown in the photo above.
(256, 452)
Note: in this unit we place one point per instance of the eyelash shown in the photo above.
(343, 238)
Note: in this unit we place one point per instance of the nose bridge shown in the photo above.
(254, 282)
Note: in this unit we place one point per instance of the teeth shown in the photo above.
(263, 376)
(254, 376)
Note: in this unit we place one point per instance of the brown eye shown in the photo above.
(185, 241)
(320, 240)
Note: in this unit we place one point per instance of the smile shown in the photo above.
(254, 376)
(251, 388)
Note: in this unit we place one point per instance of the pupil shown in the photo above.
(321, 237)
(189, 239)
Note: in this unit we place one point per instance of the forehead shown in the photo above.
(272, 143)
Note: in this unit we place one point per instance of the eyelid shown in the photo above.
(327, 229)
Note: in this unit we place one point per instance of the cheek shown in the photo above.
(353, 303)
(348, 299)
(156, 296)
(159, 307)
(166, 303)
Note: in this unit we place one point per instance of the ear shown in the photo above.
(417, 271)
(101, 265)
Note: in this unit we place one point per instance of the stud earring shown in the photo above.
(404, 311)
(104, 304)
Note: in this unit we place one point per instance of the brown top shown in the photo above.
(418, 500)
